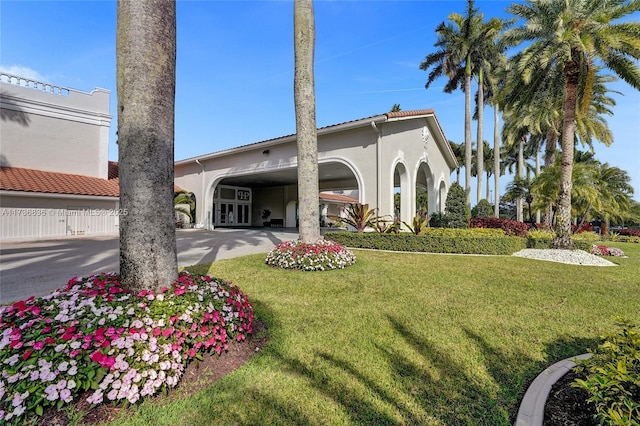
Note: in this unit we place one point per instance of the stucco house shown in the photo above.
(55, 177)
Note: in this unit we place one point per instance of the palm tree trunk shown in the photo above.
(496, 160)
(480, 136)
(146, 58)
(563, 240)
(549, 159)
(519, 215)
(537, 173)
(467, 134)
(305, 106)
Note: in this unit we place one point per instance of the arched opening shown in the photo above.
(402, 194)
(442, 197)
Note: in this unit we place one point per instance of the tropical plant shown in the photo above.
(183, 203)
(456, 43)
(360, 216)
(585, 34)
(419, 223)
(520, 189)
(146, 61)
(306, 131)
(458, 152)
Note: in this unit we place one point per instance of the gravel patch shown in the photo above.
(574, 257)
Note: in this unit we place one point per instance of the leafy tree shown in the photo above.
(585, 34)
(306, 130)
(482, 209)
(456, 213)
(145, 62)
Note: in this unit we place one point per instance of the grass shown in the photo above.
(406, 339)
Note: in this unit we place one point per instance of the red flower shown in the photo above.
(27, 354)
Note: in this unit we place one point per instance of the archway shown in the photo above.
(402, 194)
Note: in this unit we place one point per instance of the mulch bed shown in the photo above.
(197, 376)
(567, 406)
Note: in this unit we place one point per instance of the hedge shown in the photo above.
(430, 244)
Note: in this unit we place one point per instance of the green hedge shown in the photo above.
(545, 243)
(432, 244)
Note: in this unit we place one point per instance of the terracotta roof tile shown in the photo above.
(29, 180)
(337, 197)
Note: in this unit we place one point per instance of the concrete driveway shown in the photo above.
(37, 268)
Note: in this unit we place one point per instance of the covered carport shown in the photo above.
(370, 159)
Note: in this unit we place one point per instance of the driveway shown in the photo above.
(37, 268)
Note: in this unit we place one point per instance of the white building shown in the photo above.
(373, 157)
(56, 180)
(54, 170)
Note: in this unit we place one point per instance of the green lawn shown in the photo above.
(406, 339)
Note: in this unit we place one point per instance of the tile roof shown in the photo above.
(337, 197)
(29, 180)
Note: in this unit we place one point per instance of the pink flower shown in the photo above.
(38, 345)
(179, 291)
(192, 352)
(27, 354)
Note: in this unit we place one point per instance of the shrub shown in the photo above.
(586, 236)
(510, 227)
(501, 245)
(95, 335)
(320, 256)
(613, 376)
(629, 232)
(438, 220)
(463, 233)
(602, 250)
(456, 213)
(482, 209)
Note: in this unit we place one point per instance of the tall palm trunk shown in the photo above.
(146, 58)
(496, 160)
(305, 106)
(549, 160)
(519, 215)
(480, 136)
(572, 72)
(467, 133)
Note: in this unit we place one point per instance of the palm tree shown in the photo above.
(520, 189)
(307, 136)
(146, 61)
(456, 44)
(458, 151)
(585, 34)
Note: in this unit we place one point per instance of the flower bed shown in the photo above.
(320, 256)
(601, 250)
(94, 336)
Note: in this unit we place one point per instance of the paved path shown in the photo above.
(37, 268)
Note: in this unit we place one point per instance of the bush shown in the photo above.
(613, 376)
(586, 236)
(321, 256)
(456, 213)
(510, 227)
(95, 335)
(500, 245)
(482, 209)
(463, 233)
(629, 232)
(601, 250)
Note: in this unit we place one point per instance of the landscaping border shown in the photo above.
(531, 412)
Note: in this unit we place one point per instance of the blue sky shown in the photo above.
(235, 67)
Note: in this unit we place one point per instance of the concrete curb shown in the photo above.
(531, 412)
